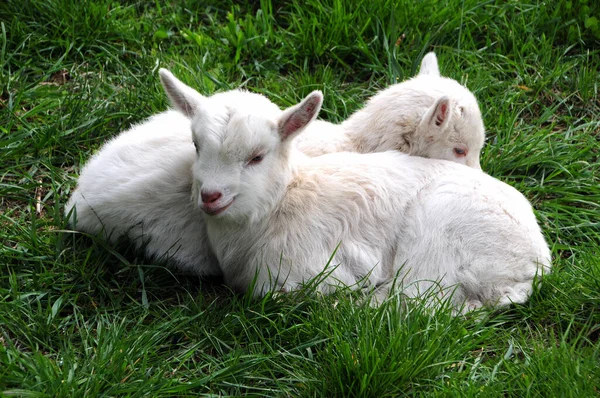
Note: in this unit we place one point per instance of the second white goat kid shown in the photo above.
(276, 215)
(429, 115)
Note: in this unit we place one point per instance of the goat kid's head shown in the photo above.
(452, 128)
(243, 144)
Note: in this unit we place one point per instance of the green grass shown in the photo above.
(81, 318)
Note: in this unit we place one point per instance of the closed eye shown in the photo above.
(460, 152)
(256, 160)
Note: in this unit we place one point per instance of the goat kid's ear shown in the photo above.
(297, 117)
(440, 113)
(183, 98)
(429, 65)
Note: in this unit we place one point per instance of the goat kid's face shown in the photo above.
(242, 142)
(239, 163)
(451, 129)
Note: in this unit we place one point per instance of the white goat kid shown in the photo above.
(276, 215)
(429, 115)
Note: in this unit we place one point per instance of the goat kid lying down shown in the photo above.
(276, 215)
(429, 115)
(139, 184)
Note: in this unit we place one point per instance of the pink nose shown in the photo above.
(210, 197)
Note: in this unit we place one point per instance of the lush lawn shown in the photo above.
(81, 318)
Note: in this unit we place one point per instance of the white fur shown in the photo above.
(280, 215)
(403, 117)
(139, 186)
